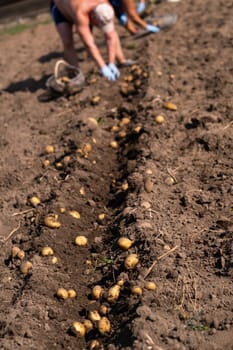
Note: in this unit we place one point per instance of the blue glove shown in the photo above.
(107, 73)
(123, 19)
(114, 69)
(152, 29)
(141, 7)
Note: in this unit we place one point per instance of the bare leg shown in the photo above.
(119, 52)
(66, 33)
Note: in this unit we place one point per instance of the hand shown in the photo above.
(123, 19)
(141, 7)
(114, 69)
(107, 73)
(152, 29)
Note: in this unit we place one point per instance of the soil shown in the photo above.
(176, 203)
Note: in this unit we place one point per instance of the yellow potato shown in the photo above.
(62, 293)
(124, 243)
(51, 221)
(159, 119)
(71, 293)
(54, 260)
(125, 186)
(169, 105)
(113, 293)
(95, 100)
(115, 128)
(49, 149)
(131, 261)
(137, 129)
(21, 254)
(104, 325)
(97, 292)
(75, 214)
(114, 144)
(103, 309)
(82, 191)
(81, 241)
(88, 325)
(150, 286)
(94, 344)
(94, 316)
(34, 201)
(136, 290)
(46, 163)
(79, 329)
(101, 217)
(47, 251)
(124, 121)
(62, 210)
(87, 148)
(14, 251)
(25, 267)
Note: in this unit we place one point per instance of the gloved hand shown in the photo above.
(107, 73)
(152, 29)
(141, 7)
(123, 19)
(114, 69)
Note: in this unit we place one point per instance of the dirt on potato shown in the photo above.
(166, 184)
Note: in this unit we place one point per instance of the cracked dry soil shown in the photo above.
(167, 187)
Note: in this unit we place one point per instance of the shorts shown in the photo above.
(118, 7)
(57, 16)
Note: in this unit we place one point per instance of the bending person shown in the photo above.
(82, 14)
(127, 14)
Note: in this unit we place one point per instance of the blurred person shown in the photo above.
(83, 14)
(128, 15)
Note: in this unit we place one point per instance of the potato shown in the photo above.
(21, 254)
(113, 293)
(49, 149)
(131, 261)
(14, 251)
(34, 201)
(104, 325)
(47, 251)
(81, 241)
(103, 309)
(62, 293)
(97, 292)
(95, 100)
(137, 129)
(136, 290)
(124, 243)
(120, 282)
(54, 260)
(114, 144)
(79, 328)
(51, 221)
(88, 325)
(62, 210)
(101, 217)
(82, 191)
(159, 119)
(46, 163)
(94, 316)
(169, 105)
(125, 186)
(115, 128)
(25, 267)
(125, 121)
(75, 214)
(71, 293)
(94, 344)
(150, 285)
(59, 165)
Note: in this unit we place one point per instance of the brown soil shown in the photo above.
(177, 209)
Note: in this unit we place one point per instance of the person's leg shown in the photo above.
(65, 31)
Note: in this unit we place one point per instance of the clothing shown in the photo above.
(118, 8)
(104, 17)
(57, 16)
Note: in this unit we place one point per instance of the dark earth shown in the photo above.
(176, 202)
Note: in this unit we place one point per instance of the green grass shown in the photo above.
(20, 27)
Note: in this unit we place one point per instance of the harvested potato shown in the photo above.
(54, 260)
(95, 100)
(66, 160)
(62, 210)
(125, 121)
(14, 251)
(101, 217)
(93, 121)
(114, 144)
(87, 148)
(21, 254)
(51, 221)
(136, 290)
(104, 309)
(131, 261)
(62, 293)
(79, 328)
(81, 241)
(115, 128)
(122, 134)
(169, 105)
(94, 316)
(82, 191)
(125, 186)
(113, 293)
(120, 282)
(47, 251)
(150, 285)
(75, 214)
(97, 292)
(137, 129)
(94, 344)
(46, 163)
(159, 119)
(49, 149)
(124, 243)
(169, 180)
(34, 201)
(25, 267)
(104, 325)
(71, 293)
(88, 325)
